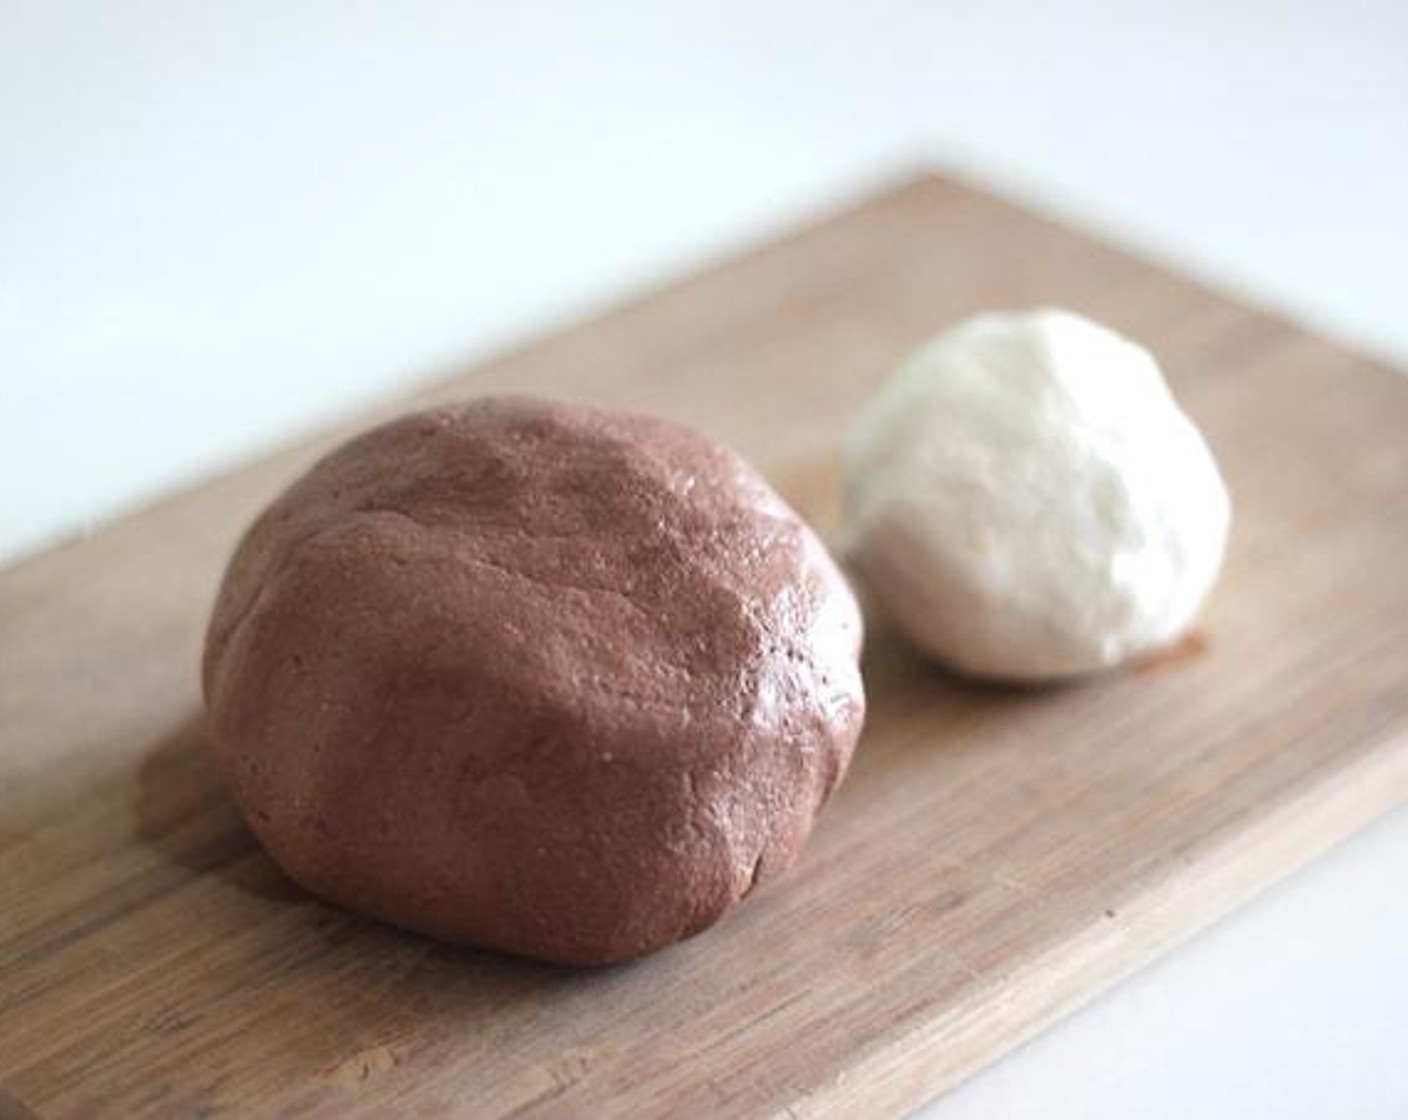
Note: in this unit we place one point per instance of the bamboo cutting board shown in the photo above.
(994, 859)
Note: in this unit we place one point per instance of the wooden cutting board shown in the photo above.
(995, 858)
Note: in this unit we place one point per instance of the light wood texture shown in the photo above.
(995, 857)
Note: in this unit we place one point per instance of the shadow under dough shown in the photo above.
(330, 997)
(186, 816)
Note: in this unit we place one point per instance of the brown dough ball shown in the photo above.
(533, 677)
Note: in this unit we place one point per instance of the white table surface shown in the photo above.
(222, 223)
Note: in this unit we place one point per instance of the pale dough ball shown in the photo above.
(1029, 502)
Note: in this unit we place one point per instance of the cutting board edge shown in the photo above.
(1246, 865)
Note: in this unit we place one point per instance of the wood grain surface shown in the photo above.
(995, 858)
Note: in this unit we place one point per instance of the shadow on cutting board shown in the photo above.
(338, 999)
(184, 814)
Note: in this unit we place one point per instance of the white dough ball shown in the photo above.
(1029, 502)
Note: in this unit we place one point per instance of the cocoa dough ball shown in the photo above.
(533, 677)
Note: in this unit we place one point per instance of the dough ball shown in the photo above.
(533, 677)
(1029, 502)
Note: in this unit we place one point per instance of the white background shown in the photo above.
(220, 223)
